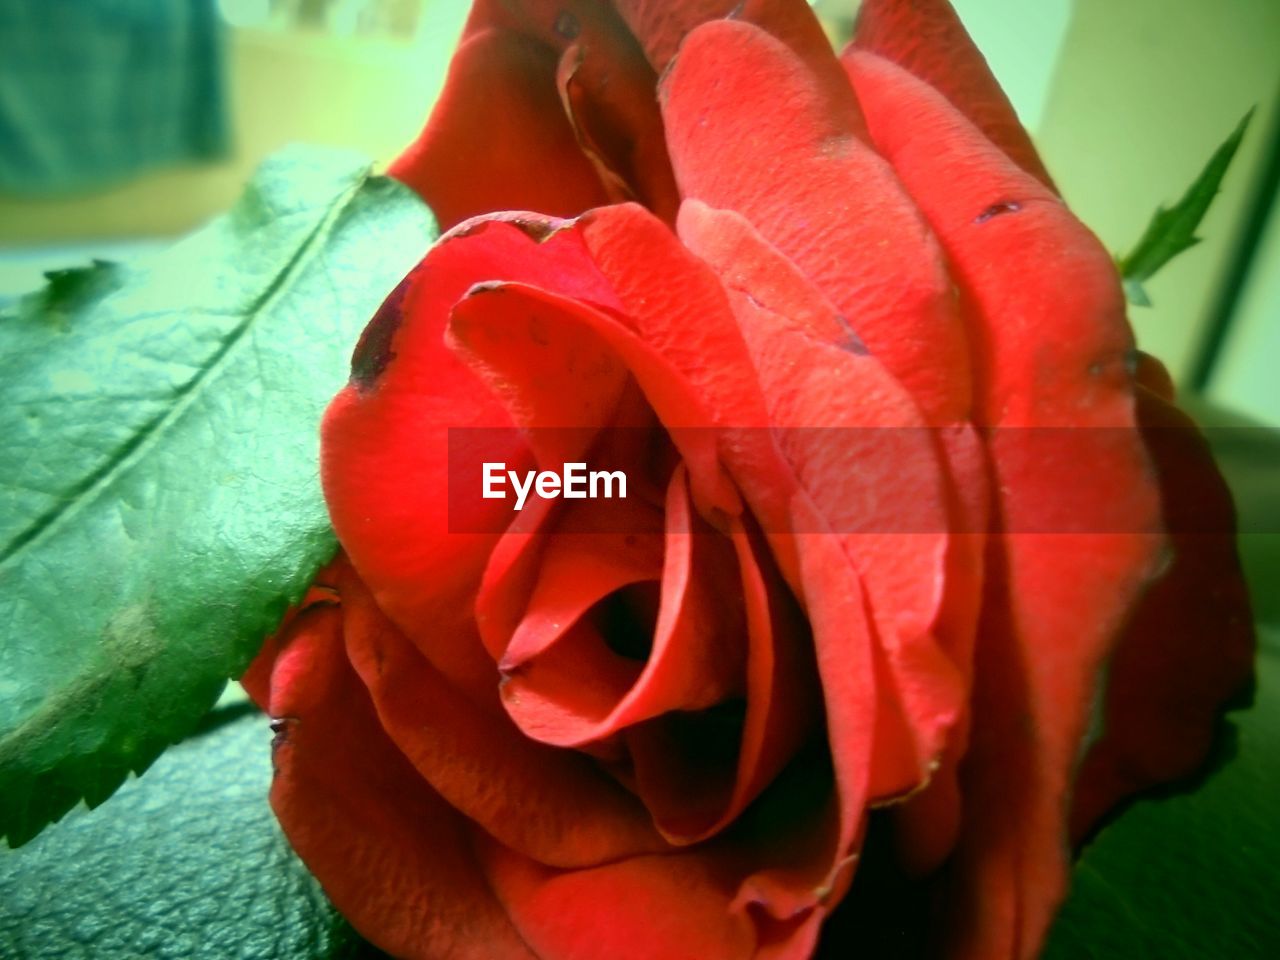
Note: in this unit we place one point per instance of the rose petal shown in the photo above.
(559, 382)
(406, 878)
(386, 450)
(859, 446)
(554, 805)
(736, 91)
(874, 231)
(256, 679)
(557, 688)
(674, 906)
(609, 101)
(711, 900)
(991, 216)
(781, 710)
(499, 118)
(1054, 352)
(783, 691)
(671, 330)
(681, 327)
(718, 736)
(791, 830)
(679, 408)
(926, 38)
(929, 821)
(593, 550)
(1151, 373)
(549, 696)
(535, 50)
(661, 27)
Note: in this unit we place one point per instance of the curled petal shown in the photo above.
(559, 381)
(559, 662)
(556, 806)
(407, 878)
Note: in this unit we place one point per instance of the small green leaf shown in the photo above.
(1173, 231)
(187, 862)
(159, 497)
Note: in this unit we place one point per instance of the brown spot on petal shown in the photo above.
(851, 341)
(373, 351)
(538, 229)
(280, 726)
(998, 209)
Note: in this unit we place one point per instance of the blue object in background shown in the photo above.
(94, 91)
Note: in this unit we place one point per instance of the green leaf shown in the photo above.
(159, 498)
(187, 862)
(1173, 231)
(1189, 875)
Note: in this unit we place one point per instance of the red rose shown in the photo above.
(891, 509)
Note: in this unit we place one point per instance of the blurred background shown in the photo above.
(125, 123)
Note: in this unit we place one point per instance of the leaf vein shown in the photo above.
(101, 479)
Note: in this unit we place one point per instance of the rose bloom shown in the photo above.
(920, 571)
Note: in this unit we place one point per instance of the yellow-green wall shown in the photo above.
(1247, 376)
(1144, 91)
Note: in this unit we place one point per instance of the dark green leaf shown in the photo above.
(1192, 875)
(187, 862)
(1172, 231)
(159, 499)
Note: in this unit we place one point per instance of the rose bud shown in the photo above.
(908, 519)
